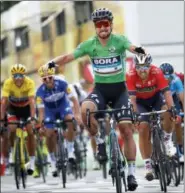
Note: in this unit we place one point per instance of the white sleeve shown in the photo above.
(83, 95)
(73, 92)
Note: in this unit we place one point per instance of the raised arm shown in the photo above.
(64, 59)
(132, 48)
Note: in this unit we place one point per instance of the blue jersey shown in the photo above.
(176, 85)
(53, 98)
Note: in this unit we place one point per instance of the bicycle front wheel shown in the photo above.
(62, 160)
(40, 163)
(115, 169)
(17, 164)
(161, 167)
(104, 166)
(175, 166)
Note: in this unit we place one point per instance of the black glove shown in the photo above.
(139, 50)
(51, 64)
(2, 126)
(173, 111)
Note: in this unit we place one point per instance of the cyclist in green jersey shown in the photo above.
(107, 53)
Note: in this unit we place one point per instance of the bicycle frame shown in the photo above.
(158, 153)
(113, 133)
(20, 138)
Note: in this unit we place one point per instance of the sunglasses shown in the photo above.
(99, 24)
(47, 78)
(146, 67)
(169, 77)
(17, 76)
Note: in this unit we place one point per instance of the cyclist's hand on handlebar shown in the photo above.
(40, 128)
(32, 120)
(178, 119)
(173, 112)
(175, 116)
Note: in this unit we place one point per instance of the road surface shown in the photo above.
(93, 183)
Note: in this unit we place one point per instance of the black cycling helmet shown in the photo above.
(167, 68)
(102, 13)
(140, 59)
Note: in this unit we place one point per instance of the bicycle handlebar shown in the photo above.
(107, 111)
(154, 112)
(58, 122)
(110, 112)
(20, 124)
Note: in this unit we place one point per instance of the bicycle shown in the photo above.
(20, 153)
(164, 169)
(41, 159)
(61, 152)
(117, 159)
(80, 154)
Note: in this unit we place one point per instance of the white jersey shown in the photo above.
(81, 94)
(76, 91)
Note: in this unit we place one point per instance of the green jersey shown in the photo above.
(108, 61)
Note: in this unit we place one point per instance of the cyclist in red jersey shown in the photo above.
(146, 84)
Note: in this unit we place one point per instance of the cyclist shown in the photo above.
(18, 98)
(181, 76)
(81, 95)
(52, 102)
(146, 83)
(107, 53)
(177, 91)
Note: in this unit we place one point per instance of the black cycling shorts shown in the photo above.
(114, 93)
(146, 105)
(22, 113)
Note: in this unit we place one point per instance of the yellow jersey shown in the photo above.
(18, 96)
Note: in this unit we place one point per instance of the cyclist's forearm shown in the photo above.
(3, 107)
(61, 60)
(132, 49)
(76, 106)
(41, 115)
(168, 99)
(32, 106)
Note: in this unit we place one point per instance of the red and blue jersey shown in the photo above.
(148, 88)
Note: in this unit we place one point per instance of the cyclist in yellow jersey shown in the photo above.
(18, 95)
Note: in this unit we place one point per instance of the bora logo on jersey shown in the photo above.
(105, 61)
